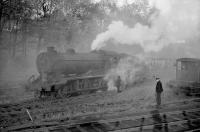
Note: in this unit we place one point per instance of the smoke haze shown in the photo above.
(131, 70)
(174, 22)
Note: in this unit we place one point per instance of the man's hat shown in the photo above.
(157, 78)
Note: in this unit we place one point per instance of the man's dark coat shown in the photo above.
(159, 87)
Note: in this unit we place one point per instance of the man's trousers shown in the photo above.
(158, 98)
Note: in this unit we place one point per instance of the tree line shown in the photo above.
(36, 24)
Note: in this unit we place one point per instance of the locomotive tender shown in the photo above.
(71, 72)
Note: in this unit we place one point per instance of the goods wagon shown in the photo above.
(187, 76)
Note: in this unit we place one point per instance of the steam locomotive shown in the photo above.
(71, 73)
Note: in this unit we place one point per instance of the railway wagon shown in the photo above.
(188, 70)
(187, 76)
(70, 72)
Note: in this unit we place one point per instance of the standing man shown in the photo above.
(159, 90)
(118, 84)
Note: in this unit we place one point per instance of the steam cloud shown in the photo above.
(176, 22)
(132, 70)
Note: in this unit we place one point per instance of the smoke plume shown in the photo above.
(174, 22)
(131, 70)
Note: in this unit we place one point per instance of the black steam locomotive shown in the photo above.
(71, 73)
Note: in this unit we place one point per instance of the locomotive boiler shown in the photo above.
(70, 72)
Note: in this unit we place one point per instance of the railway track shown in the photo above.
(175, 121)
(167, 120)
